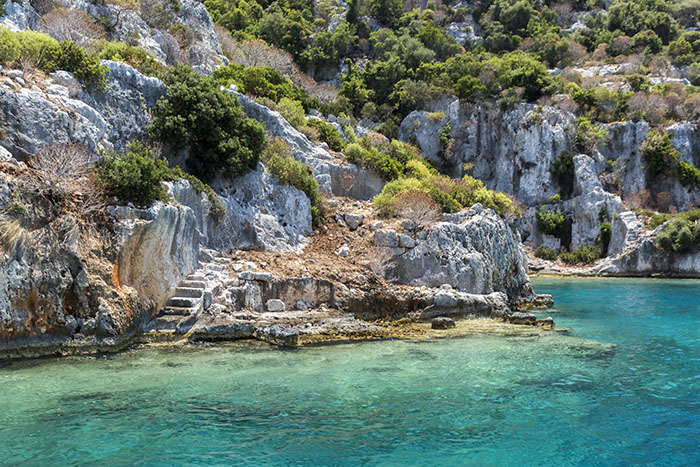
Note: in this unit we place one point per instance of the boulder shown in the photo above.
(275, 305)
(442, 322)
(386, 237)
(353, 220)
(480, 256)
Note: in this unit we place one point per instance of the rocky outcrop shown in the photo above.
(475, 252)
(262, 213)
(644, 258)
(62, 111)
(510, 151)
(71, 282)
(513, 151)
(148, 29)
(626, 229)
(336, 177)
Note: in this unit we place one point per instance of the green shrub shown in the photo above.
(134, 56)
(550, 222)
(383, 202)
(260, 82)
(279, 161)
(544, 252)
(292, 111)
(70, 57)
(51, 55)
(134, 176)
(688, 174)
(582, 254)
(680, 236)
(450, 195)
(588, 136)
(211, 123)
(328, 133)
(659, 154)
(386, 160)
(563, 172)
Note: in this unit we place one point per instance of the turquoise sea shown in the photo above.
(480, 400)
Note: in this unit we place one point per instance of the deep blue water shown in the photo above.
(622, 388)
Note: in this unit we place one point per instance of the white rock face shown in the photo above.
(644, 258)
(626, 229)
(160, 248)
(19, 16)
(335, 177)
(511, 151)
(111, 119)
(262, 213)
(479, 255)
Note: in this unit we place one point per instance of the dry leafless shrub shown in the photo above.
(63, 163)
(65, 172)
(312, 133)
(381, 261)
(416, 206)
(65, 24)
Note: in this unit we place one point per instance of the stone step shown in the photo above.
(178, 311)
(188, 292)
(196, 276)
(221, 260)
(215, 267)
(165, 323)
(193, 284)
(184, 302)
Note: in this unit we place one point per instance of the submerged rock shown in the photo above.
(442, 322)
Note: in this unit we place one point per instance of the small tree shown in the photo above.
(658, 152)
(210, 122)
(134, 176)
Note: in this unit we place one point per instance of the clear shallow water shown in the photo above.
(557, 400)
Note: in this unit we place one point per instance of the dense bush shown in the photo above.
(544, 252)
(563, 173)
(327, 132)
(582, 254)
(134, 176)
(211, 123)
(388, 160)
(688, 174)
(550, 222)
(280, 163)
(260, 82)
(450, 195)
(134, 56)
(681, 235)
(658, 153)
(49, 55)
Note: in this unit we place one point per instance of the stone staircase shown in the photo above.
(192, 295)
